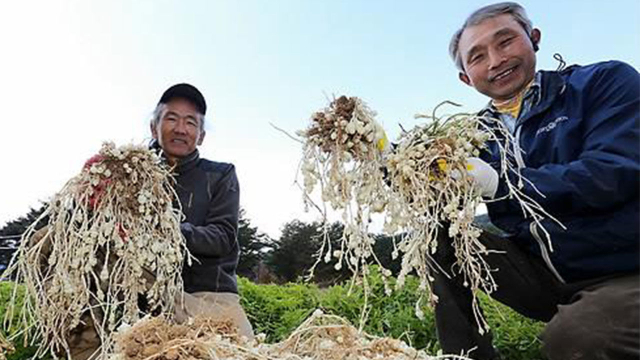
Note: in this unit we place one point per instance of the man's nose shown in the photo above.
(181, 127)
(496, 58)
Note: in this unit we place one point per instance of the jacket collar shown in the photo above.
(547, 86)
(552, 85)
(187, 163)
(533, 93)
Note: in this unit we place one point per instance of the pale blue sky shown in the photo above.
(75, 73)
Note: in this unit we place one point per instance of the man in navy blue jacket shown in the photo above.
(576, 139)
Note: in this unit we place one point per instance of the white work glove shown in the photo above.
(485, 177)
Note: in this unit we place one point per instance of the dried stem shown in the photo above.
(320, 337)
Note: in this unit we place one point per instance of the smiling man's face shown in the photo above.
(498, 57)
(179, 130)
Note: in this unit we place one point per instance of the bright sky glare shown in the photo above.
(77, 73)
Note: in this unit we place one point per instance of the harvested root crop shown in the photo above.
(112, 235)
(347, 126)
(343, 150)
(5, 347)
(320, 337)
(432, 192)
(429, 191)
(158, 338)
(331, 337)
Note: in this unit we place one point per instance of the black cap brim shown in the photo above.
(188, 92)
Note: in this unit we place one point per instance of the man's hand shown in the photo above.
(485, 177)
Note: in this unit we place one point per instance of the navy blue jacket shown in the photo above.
(580, 147)
(210, 195)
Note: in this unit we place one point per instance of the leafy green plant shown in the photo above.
(276, 310)
(515, 336)
(388, 315)
(6, 293)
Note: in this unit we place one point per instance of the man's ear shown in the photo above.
(201, 138)
(464, 78)
(154, 132)
(536, 35)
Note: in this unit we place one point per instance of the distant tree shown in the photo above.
(293, 252)
(325, 273)
(11, 232)
(383, 248)
(296, 251)
(254, 245)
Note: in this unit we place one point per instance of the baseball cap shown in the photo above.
(185, 91)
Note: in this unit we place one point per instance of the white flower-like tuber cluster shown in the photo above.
(421, 187)
(112, 236)
(343, 151)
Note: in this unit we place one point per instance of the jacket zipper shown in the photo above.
(543, 249)
(517, 150)
(532, 226)
(218, 281)
(518, 127)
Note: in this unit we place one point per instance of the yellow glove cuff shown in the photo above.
(383, 142)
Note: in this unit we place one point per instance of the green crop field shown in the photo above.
(276, 310)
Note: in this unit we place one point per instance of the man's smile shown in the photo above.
(179, 141)
(502, 74)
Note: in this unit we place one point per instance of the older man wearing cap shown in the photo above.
(209, 194)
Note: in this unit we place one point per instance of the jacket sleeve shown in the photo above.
(218, 237)
(607, 171)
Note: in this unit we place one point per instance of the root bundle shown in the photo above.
(320, 337)
(112, 237)
(420, 186)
